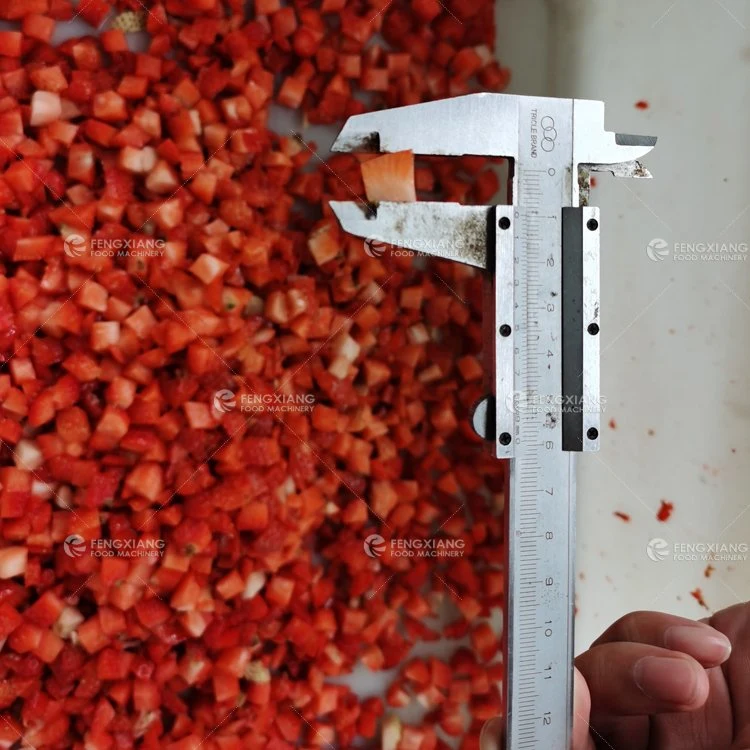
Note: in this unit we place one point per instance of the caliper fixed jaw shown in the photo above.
(482, 125)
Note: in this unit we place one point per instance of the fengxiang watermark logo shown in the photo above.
(524, 402)
(225, 401)
(659, 250)
(433, 547)
(76, 546)
(78, 246)
(376, 247)
(659, 549)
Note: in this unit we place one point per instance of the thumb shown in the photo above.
(581, 713)
(492, 735)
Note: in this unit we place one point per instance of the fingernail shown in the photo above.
(665, 679)
(702, 644)
(492, 734)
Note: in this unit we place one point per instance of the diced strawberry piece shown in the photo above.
(162, 179)
(81, 163)
(279, 590)
(13, 10)
(485, 641)
(113, 664)
(324, 243)
(94, 12)
(11, 43)
(208, 268)
(226, 686)
(93, 296)
(109, 106)
(65, 392)
(152, 612)
(26, 637)
(49, 79)
(148, 66)
(142, 322)
(49, 648)
(199, 415)
(45, 610)
(169, 214)
(203, 186)
(97, 131)
(105, 335)
(390, 177)
(133, 87)
(112, 427)
(35, 248)
(13, 561)
(146, 696)
(114, 40)
(9, 619)
(253, 517)
(146, 479)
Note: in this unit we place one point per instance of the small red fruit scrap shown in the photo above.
(665, 511)
(697, 594)
(642, 104)
(708, 571)
(167, 259)
(612, 424)
(622, 516)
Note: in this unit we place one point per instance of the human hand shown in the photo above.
(654, 681)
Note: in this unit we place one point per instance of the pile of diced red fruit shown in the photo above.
(237, 635)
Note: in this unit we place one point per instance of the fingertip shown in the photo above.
(672, 680)
(705, 644)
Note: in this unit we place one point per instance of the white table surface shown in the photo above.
(674, 333)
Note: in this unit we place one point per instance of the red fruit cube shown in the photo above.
(11, 43)
(9, 619)
(46, 609)
(13, 561)
(113, 664)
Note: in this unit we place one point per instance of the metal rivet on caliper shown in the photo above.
(593, 329)
(505, 330)
(504, 223)
(592, 224)
(505, 438)
(592, 433)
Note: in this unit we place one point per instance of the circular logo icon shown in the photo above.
(657, 549)
(74, 545)
(657, 249)
(549, 134)
(224, 401)
(374, 247)
(75, 245)
(374, 545)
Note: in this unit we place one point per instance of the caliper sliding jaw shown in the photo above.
(540, 256)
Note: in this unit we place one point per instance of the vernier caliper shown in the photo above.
(540, 255)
